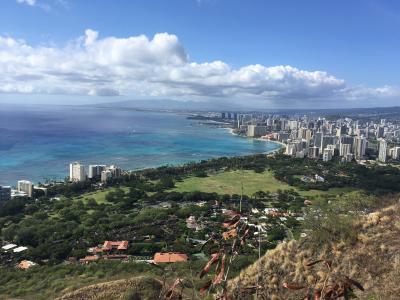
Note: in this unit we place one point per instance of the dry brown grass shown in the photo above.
(125, 289)
(373, 260)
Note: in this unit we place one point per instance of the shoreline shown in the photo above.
(282, 145)
(230, 132)
(128, 169)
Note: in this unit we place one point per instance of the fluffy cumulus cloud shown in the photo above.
(160, 67)
(28, 2)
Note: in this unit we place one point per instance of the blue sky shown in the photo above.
(355, 43)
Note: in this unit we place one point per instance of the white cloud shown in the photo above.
(34, 3)
(160, 67)
(28, 2)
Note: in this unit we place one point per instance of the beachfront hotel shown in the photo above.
(77, 172)
(26, 187)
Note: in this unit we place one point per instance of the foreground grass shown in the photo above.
(48, 282)
(52, 282)
(231, 183)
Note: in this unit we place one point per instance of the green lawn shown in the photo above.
(226, 183)
(230, 183)
(99, 196)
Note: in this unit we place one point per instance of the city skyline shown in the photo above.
(264, 55)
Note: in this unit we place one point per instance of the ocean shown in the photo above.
(38, 143)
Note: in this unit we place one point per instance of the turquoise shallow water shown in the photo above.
(39, 143)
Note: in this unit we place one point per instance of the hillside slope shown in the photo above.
(145, 288)
(373, 260)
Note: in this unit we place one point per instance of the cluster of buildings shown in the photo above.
(323, 138)
(12, 252)
(24, 188)
(116, 250)
(109, 250)
(14, 248)
(77, 172)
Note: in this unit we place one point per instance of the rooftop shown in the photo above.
(170, 257)
(26, 264)
(89, 258)
(8, 247)
(20, 249)
(120, 245)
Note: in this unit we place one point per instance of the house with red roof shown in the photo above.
(115, 245)
(88, 259)
(170, 257)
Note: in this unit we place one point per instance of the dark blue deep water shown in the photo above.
(39, 142)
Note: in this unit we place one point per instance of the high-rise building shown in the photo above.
(115, 171)
(342, 130)
(293, 124)
(313, 152)
(301, 133)
(308, 135)
(326, 140)
(294, 146)
(395, 152)
(110, 172)
(283, 136)
(346, 139)
(327, 155)
(76, 172)
(26, 187)
(106, 175)
(380, 132)
(344, 149)
(95, 170)
(256, 130)
(382, 150)
(347, 158)
(5, 193)
(360, 145)
(318, 139)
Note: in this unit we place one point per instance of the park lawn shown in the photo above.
(331, 192)
(99, 196)
(230, 183)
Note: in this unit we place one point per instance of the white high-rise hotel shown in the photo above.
(77, 172)
(26, 187)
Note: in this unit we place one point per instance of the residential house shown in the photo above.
(170, 257)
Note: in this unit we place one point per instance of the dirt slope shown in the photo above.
(373, 259)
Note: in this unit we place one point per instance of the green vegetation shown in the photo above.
(230, 182)
(47, 282)
(149, 209)
(346, 241)
(98, 196)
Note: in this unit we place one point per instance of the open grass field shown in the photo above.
(226, 183)
(231, 182)
(99, 196)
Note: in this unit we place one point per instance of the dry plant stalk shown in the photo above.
(228, 247)
(339, 286)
